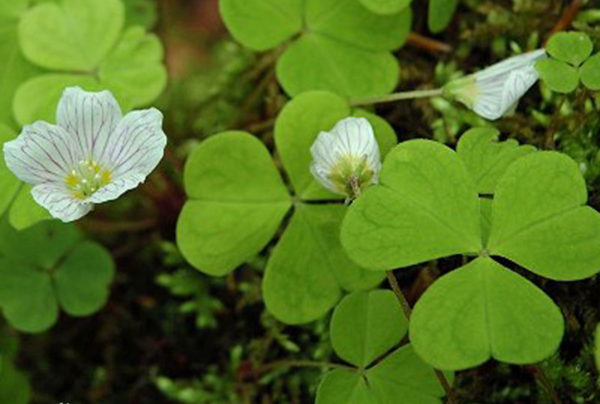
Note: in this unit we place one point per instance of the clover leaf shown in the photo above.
(559, 76)
(82, 43)
(568, 50)
(486, 158)
(16, 68)
(365, 326)
(47, 266)
(590, 73)
(481, 311)
(347, 52)
(237, 202)
(15, 197)
(570, 47)
(427, 207)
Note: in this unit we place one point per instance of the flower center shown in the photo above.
(351, 174)
(86, 178)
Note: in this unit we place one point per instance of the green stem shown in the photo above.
(406, 95)
(408, 312)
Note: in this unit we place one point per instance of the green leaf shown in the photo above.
(352, 23)
(134, 70)
(404, 374)
(27, 297)
(25, 211)
(365, 325)
(308, 268)
(483, 311)
(558, 76)
(570, 47)
(298, 126)
(440, 14)
(385, 6)
(47, 264)
(9, 184)
(344, 387)
(401, 374)
(540, 221)
(82, 279)
(40, 246)
(37, 99)
(425, 207)
(237, 202)
(317, 62)
(11, 11)
(74, 35)
(486, 158)
(262, 24)
(15, 68)
(485, 206)
(14, 386)
(590, 73)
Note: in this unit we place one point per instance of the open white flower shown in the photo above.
(92, 155)
(346, 160)
(494, 91)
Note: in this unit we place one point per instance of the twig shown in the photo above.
(428, 44)
(408, 312)
(566, 18)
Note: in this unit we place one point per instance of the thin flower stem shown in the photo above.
(408, 312)
(406, 95)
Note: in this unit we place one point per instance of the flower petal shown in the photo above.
(60, 203)
(116, 188)
(42, 153)
(91, 117)
(136, 146)
(355, 136)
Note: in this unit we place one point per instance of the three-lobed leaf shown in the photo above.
(339, 46)
(386, 6)
(46, 266)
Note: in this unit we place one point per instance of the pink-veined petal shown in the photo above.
(92, 117)
(137, 145)
(60, 203)
(116, 188)
(42, 153)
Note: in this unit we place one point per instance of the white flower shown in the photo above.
(92, 155)
(494, 91)
(346, 160)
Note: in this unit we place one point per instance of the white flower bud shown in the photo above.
(496, 90)
(346, 160)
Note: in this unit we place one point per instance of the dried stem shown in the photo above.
(408, 312)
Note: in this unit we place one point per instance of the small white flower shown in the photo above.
(92, 155)
(494, 91)
(346, 160)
